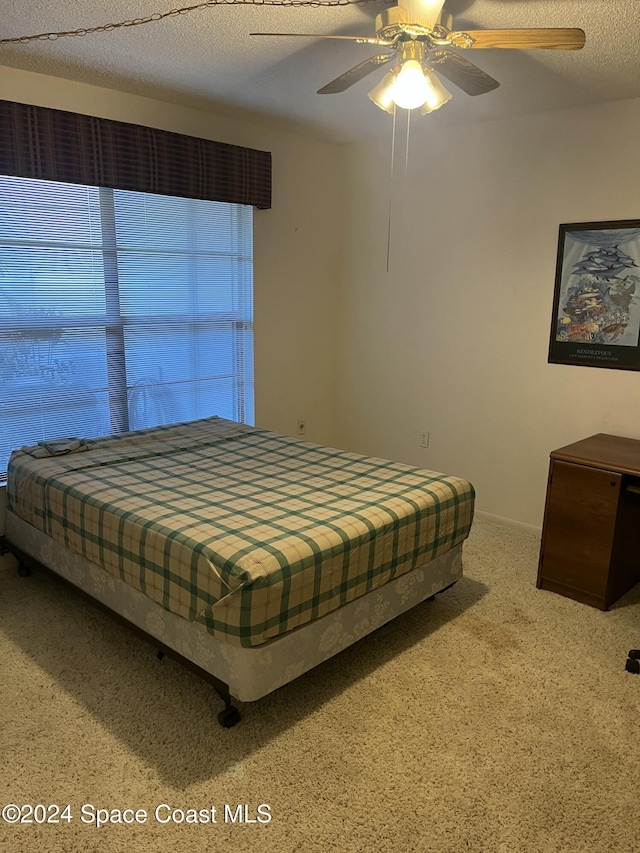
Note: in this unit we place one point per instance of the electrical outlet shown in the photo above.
(424, 439)
(302, 426)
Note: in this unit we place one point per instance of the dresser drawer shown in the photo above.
(579, 530)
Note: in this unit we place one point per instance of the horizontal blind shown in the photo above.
(120, 310)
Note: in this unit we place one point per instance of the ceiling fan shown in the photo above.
(419, 36)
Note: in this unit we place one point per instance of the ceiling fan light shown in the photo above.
(381, 95)
(411, 88)
(437, 94)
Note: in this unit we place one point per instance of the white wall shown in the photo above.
(297, 249)
(454, 338)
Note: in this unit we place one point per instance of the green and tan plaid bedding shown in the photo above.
(246, 531)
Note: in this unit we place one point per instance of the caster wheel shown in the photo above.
(160, 655)
(229, 717)
(633, 665)
(431, 598)
(24, 571)
(634, 654)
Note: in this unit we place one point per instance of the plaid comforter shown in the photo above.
(246, 531)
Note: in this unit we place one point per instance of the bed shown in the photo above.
(251, 556)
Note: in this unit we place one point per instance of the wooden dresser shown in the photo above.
(591, 535)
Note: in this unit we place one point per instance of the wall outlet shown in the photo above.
(424, 439)
(301, 429)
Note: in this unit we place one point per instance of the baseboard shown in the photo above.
(508, 522)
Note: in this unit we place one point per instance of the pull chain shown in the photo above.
(393, 150)
(405, 176)
(406, 151)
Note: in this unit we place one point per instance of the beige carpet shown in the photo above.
(498, 718)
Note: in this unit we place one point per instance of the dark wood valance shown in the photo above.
(38, 142)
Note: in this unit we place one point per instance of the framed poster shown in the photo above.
(596, 302)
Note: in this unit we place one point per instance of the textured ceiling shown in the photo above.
(207, 57)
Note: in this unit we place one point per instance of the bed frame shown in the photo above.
(246, 674)
(228, 717)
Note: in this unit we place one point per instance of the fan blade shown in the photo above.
(353, 75)
(423, 12)
(463, 73)
(545, 39)
(360, 39)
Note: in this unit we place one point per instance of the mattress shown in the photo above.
(247, 532)
(250, 673)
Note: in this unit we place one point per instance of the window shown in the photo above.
(120, 310)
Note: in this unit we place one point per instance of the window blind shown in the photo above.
(120, 310)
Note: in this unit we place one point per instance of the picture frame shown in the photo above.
(596, 303)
